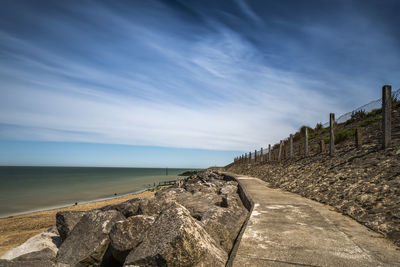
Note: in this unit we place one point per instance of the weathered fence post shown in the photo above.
(285, 151)
(306, 141)
(255, 155)
(358, 137)
(291, 146)
(322, 146)
(261, 155)
(331, 134)
(386, 115)
(269, 152)
(249, 157)
(280, 151)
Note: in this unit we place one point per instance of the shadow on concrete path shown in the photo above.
(286, 229)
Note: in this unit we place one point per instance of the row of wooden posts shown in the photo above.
(283, 152)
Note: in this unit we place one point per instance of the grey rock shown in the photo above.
(36, 243)
(126, 234)
(201, 185)
(176, 239)
(224, 224)
(229, 188)
(44, 254)
(152, 205)
(199, 203)
(66, 221)
(88, 242)
(127, 208)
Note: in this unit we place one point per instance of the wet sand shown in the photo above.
(16, 230)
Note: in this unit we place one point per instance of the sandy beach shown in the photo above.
(16, 230)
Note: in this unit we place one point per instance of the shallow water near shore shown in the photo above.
(25, 189)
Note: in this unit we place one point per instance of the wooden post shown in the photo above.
(269, 152)
(306, 141)
(280, 151)
(261, 155)
(331, 134)
(291, 146)
(386, 115)
(283, 150)
(358, 137)
(255, 155)
(249, 157)
(322, 146)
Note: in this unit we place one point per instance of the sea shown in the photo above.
(28, 189)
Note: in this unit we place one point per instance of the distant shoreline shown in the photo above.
(56, 207)
(31, 189)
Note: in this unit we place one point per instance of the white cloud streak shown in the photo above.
(212, 92)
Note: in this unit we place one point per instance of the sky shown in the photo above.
(182, 83)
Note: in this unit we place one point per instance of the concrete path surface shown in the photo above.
(286, 229)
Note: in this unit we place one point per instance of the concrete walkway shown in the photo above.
(288, 230)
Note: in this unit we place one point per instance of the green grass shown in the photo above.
(343, 135)
(374, 112)
(370, 120)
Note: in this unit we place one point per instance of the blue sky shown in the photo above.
(188, 83)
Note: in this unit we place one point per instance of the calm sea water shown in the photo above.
(24, 189)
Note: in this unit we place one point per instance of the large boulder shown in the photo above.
(88, 241)
(128, 208)
(199, 203)
(176, 239)
(48, 239)
(126, 234)
(152, 206)
(41, 255)
(66, 221)
(224, 224)
(230, 188)
(201, 185)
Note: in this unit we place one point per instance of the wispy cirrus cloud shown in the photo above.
(96, 73)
